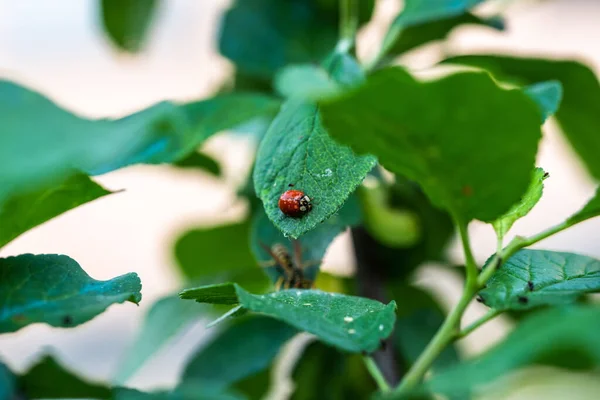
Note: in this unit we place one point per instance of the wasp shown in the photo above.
(289, 266)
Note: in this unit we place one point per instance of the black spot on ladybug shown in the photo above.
(523, 300)
(530, 285)
(67, 320)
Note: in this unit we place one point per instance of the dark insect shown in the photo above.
(523, 300)
(290, 267)
(67, 320)
(294, 203)
(480, 299)
(546, 175)
(290, 185)
(530, 285)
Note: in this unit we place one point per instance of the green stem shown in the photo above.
(470, 263)
(376, 374)
(487, 317)
(348, 24)
(444, 336)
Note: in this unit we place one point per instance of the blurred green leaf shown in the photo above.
(220, 293)
(297, 150)
(167, 317)
(579, 113)
(55, 147)
(351, 323)
(419, 12)
(200, 161)
(533, 278)
(188, 391)
(47, 379)
(322, 367)
(127, 21)
(289, 32)
(240, 351)
(431, 132)
(559, 336)
(26, 211)
(531, 197)
(312, 245)
(7, 383)
(417, 35)
(547, 95)
(206, 252)
(590, 210)
(55, 290)
(419, 318)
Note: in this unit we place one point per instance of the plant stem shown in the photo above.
(446, 334)
(487, 317)
(348, 25)
(376, 374)
(470, 263)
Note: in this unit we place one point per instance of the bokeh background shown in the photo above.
(59, 48)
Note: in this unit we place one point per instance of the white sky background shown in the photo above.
(58, 48)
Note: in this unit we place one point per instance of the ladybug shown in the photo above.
(294, 203)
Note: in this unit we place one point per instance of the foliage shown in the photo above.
(399, 161)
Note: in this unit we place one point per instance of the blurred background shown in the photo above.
(59, 48)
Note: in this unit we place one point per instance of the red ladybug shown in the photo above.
(294, 203)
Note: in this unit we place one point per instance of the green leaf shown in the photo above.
(167, 318)
(182, 392)
(418, 12)
(55, 290)
(200, 161)
(559, 336)
(205, 252)
(319, 367)
(221, 293)
(127, 21)
(422, 130)
(547, 95)
(590, 210)
(533, 278)
(313, 245)
(26, 211)
(55, 147)
(47, 379)
(531, 197)
(417, 35)
(242, 350)
(351, 323)
(297, 150)
(579, 114)
(290, 32)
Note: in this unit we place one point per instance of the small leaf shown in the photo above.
(533, 278)
(200, 161)
(313, 245)
(422, 130)
(240, 351)
(297, 150)
(55, 290)
(26, 211)
(209, 251)
(418, 12)
(558, 336)
(590, 210)
(531, 197)
(579, 113)
(547, 95)
(351, 323)
(221, 293)
(47, 379)
(127, 21)
(417, 35)
(167, 317)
